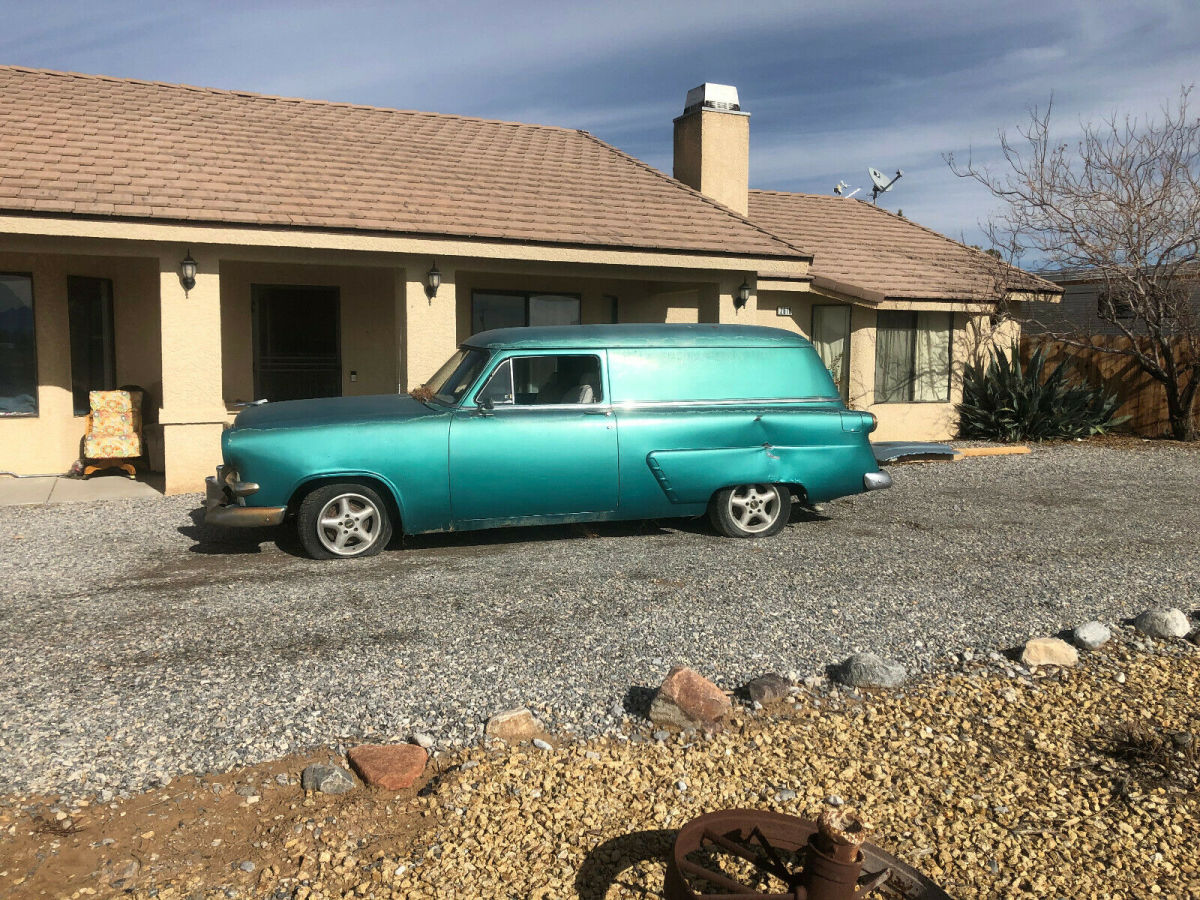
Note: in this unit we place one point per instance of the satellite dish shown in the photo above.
(881, 182)
(841, 187)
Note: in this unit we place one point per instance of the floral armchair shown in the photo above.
(114, 431)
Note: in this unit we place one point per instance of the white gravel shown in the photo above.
(139, 645)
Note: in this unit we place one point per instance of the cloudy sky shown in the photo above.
(832, 88)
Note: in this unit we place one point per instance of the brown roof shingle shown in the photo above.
(95, 145)
(863, 250)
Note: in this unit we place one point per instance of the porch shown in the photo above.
(276, 323)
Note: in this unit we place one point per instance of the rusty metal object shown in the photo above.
(796, 858)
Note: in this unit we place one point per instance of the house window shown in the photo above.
(912, 357)
(1112, 306)
(90, 315)
(831, 338)
(497, 309)
(18, 348)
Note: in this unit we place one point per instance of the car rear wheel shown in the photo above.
(343, 521)
(751, 510)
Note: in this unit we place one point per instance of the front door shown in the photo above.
(297, 344)
(547, 447)
(831, 338)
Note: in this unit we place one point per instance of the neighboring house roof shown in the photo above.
(91, 145)
(864, 251)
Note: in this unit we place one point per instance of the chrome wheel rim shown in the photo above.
(754, 507)
(349, 524)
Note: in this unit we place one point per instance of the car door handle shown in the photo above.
(597, 412)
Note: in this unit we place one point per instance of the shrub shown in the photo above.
(1005, 401)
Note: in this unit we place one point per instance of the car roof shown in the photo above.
(567, 337)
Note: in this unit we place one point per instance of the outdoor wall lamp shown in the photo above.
(433, 280)
(187, 273)
(743, 295)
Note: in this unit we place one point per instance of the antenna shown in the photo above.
(840, 189)
(881, 183)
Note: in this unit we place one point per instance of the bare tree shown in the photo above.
(1120, 206)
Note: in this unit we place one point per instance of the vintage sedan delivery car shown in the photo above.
(557, 424)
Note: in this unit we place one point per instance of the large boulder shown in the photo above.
(1049, 651)
(513, 725)
(686, 699)
(1163, 624)
(869, 670)
(1091, 635)
(392, 767)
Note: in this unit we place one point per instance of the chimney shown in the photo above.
(712, 145)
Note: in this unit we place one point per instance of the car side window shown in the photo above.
(545, 380)
(499, 388)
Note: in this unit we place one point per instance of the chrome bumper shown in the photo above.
(221, 508)
(877, 481)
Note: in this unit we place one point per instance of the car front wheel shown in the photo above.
(751, 510)
(342, 521)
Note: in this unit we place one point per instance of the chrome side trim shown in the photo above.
(877, 481)
(661, 404)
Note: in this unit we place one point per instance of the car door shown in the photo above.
(538, 439)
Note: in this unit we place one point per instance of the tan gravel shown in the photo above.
(1070, 785)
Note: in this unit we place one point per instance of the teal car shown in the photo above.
(528, 426)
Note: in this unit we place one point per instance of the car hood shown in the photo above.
(332, 411)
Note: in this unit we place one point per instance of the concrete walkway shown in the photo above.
(55, 489)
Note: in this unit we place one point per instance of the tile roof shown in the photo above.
(99, 146)
(865, 251)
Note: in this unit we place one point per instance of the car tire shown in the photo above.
(751, 510)
(343, 521)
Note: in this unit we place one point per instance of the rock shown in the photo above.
(834, 800)
(681, 785)
(1163, 624)
(786, 795)
(247, 866)
(125, 870)
(392, 767)
(661, 735)
(1091, 635)
(767, 688)
(687, 699)
(246, 790)
(513, 725)
(869, 670)
(326, 779)
(423, 740)
(1049, 651)
(541, 745)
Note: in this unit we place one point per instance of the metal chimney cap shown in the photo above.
(712, 96)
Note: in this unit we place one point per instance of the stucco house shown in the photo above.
(343, 249)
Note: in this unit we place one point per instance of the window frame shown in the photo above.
(844, 385)
(912, 376)
(524, 295)
(37, 399)
(507, 360)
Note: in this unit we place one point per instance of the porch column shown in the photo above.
(193, 408)
(426, 327)
(717, 302)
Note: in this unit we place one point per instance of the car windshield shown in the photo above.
(458, 374)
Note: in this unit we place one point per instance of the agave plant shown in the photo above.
(1005, 401)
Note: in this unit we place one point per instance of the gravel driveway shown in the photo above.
(139, 645)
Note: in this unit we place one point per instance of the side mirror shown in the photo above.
(486, 406)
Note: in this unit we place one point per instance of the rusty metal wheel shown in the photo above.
(744, 854)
